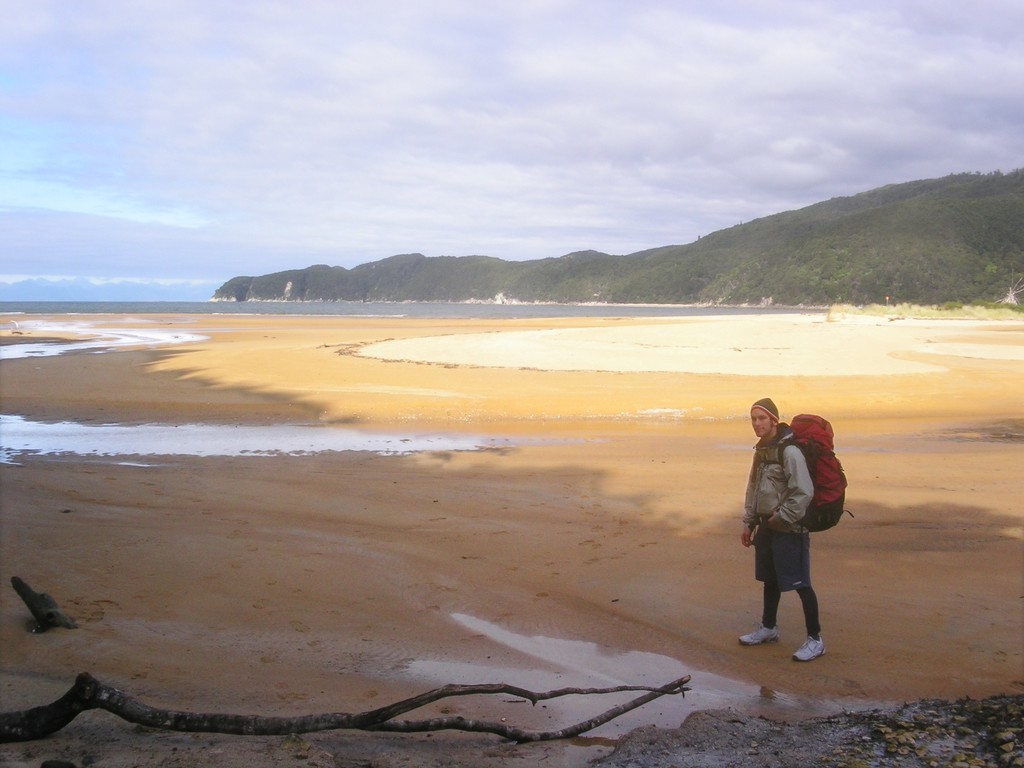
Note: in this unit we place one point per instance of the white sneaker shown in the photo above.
(760, 635)
(810, 650)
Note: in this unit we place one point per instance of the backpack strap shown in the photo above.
(768, 454)
(772, 454)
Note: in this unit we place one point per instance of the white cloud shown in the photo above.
(292, 133)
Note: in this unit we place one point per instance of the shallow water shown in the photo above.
(558, 663)
(96, 338)
(20, 438)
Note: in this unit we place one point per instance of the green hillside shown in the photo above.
(959, 238)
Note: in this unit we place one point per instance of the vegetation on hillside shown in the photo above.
(955, 239)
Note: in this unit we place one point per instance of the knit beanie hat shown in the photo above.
(768, 406)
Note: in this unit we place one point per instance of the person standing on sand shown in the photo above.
(778, 492)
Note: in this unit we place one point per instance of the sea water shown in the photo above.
(9, 310)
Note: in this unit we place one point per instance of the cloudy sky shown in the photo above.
(183, 142)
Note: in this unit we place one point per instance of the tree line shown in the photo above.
(955, 239)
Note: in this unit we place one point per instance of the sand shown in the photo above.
(602, 545)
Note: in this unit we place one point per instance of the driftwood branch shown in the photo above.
(44, 608)
(89, 693)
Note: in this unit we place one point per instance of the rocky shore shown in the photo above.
(925, 734)
(968, 733)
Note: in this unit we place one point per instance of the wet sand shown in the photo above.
(342, 581)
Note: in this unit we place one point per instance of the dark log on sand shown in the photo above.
(43, 607)
(89, 693)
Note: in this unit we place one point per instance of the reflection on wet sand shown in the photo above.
(555, 663)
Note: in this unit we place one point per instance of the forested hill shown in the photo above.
(959, 238)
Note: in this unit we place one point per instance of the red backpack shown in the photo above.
(814, 437)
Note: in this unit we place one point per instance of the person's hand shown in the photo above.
(746, 537)
(776, 523)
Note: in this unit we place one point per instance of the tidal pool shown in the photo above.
(554, 663)
(21, 438)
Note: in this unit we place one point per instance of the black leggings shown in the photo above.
(772, 596)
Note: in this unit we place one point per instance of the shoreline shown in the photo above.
(626, 537)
